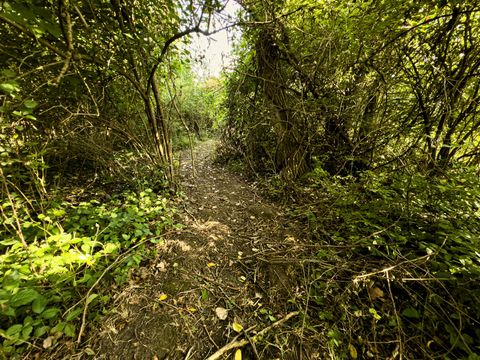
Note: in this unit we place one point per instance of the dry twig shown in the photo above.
(235, 344)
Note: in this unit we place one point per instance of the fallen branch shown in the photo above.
(235, 344)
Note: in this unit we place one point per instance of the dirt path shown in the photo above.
(221, 260)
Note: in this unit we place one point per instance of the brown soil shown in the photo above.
(223, 257)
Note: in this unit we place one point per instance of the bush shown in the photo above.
(400, 270)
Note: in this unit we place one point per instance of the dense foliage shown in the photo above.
(356, 85)
(86, 154)
(362, 116)
(51, 276)
(194, 107)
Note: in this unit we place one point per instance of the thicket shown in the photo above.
(363, 117)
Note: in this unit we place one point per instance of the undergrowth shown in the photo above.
(63, 253)
(74, 221)
(398, 270)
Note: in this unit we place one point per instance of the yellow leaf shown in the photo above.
(162, 297)
(353, 351)
(376, 293)
(211, 265)
(237, 327)
(238, 355)
(192, 309)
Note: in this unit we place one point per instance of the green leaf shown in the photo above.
(9, 87)
(72, 315)
(374, 313)
(58, 328)
(14, 329)
(11, 282)
(411, 313)
(53, 29)
(26, 331)
(39, 304)
(23, 297)
(30, 104)
(69, 330)
(40, 331)
(50, 313)
(110, 248)
(91, 298)
(8, 73)
(28, 321)
(9, 312)
(9, 242)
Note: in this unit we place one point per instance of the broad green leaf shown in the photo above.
(72, 315)
(69, 330)
(411, 313)
(11, 282)
(23, 297)
(9, 311)
(8, 73)
(50, 313)
(9, 242)
(59, 328)
(40, 331)
(53, 29)
(30, 104)
(14, 329)
(109, 248)
(26, 331)
(9, 87)
(39, 304)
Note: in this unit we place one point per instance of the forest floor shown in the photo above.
(226, 267)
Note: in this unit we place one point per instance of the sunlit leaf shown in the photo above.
(353, 351)
(237, 327)
(238, 354)
(374, 313)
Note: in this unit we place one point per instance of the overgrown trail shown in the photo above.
(224, 258)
